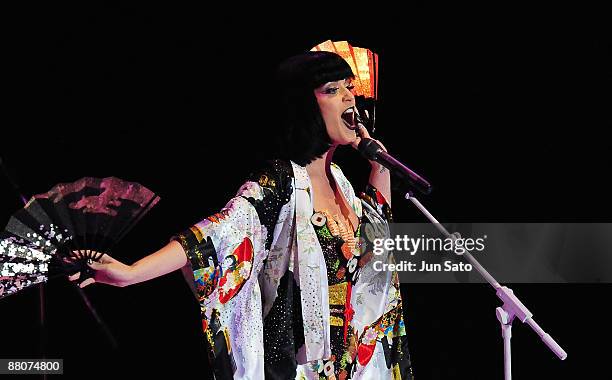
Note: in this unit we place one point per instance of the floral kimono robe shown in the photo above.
(261, 280)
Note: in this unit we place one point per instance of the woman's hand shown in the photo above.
(107, 271)
(362, 132)
(380, 177)
(113, 272)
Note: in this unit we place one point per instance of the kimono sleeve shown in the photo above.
(375, 199)
(226, 251)
(386, 335)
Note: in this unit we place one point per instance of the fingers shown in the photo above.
(363, 132)
(81, 253)
(89, 281)
(105, 259)
(382, 146)
(90, 254)
(95, 265)
(360, 135)
(83, 284)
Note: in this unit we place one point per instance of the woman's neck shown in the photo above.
(320, 167)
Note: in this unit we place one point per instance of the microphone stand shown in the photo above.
(512, 307)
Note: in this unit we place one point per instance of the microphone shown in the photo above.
(372, 150)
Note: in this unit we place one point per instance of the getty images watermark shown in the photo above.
(511, 252)
(406, 245)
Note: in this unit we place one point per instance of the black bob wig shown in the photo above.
(303, 136)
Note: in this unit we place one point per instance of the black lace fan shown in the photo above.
(90, 215)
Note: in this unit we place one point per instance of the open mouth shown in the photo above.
(348, 118)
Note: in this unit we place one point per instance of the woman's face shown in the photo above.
(336, 102)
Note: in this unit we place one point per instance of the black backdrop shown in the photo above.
(504, 110)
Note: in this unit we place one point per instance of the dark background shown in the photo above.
(505, 110)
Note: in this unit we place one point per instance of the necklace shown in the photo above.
(337, 227)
